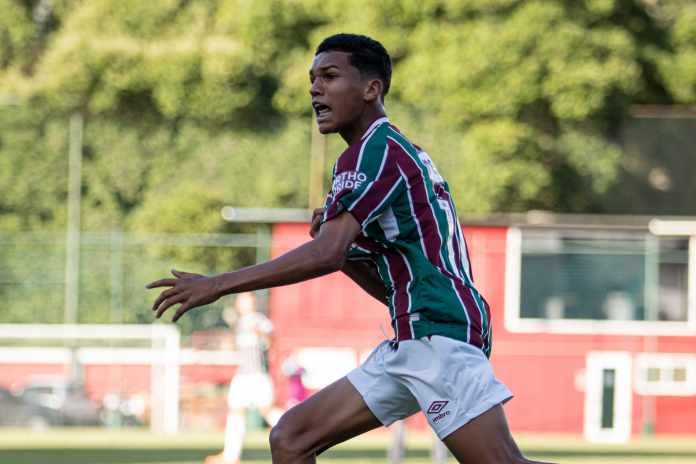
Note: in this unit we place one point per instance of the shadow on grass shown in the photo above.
(192, 455)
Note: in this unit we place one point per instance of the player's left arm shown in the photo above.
(323, 255)
(364, 273)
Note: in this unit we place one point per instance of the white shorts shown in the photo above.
(250, 390)
(451, 381)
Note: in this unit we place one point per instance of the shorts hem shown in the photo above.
(351, 376)
(484, 406)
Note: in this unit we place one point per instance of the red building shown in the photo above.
(594, 321)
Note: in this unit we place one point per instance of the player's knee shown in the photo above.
(276, 437)
(285, 439)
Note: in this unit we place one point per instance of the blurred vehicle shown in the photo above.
(67, 399)
(123, 411)
(17, 412)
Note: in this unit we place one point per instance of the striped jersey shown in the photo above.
(411, 232)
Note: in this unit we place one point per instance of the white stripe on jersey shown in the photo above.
(366, 138)
(463, 253)
(444, 206)
(369, 217)
(373, 126)
(387, 221)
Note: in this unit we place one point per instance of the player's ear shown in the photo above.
(373, 90)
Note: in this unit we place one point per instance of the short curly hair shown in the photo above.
(366, 54)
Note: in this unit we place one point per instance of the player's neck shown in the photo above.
(352, 133)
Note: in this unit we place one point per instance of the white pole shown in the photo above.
(316, 168)
(395, 454)
(691, 285)
(439, 451)
(72, 245)
(171, 382)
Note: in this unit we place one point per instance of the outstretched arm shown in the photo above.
(323, 255)
(363, 273)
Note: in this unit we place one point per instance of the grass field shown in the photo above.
(88, 446)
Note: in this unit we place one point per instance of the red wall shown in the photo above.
(544, 371)
(326, 312)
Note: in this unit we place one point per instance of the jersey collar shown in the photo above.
(373, 126)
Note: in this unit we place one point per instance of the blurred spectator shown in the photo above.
(297, 390)
(251, 385)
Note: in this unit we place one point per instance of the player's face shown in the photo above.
(337, 91)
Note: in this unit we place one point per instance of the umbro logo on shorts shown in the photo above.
(437, 406)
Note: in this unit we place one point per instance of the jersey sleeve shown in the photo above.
(366, 188)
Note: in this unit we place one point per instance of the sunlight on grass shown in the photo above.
(93, 446)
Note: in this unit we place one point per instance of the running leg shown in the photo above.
(330, 416)
(486, 440)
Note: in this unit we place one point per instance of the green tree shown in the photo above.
(190, 106)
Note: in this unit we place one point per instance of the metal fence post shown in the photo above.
(395, 454)
(439, 452)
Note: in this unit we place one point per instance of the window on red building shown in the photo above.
(597, 275)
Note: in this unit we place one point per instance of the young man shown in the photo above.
(390, 225)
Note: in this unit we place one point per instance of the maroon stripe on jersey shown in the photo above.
(348, 160)
(369, 245)
(424, 216)
(472, 310)
(401, 277)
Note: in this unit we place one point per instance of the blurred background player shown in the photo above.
(251, 386)
(297, 391)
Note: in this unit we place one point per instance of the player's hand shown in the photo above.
(316, 221)
(189, 290)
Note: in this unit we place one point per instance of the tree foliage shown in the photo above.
(519, 101)
(191, 105)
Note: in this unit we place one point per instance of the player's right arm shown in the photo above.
(364, 273)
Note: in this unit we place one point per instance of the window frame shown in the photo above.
(515, 323)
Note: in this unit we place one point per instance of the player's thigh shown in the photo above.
(485, 439)
(332, 415)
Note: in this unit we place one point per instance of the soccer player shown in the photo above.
(389, 223)
(251, 386)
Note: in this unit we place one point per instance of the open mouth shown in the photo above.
(322, 111)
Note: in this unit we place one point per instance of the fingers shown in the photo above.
(316, 221)
(317, 214)
(184, 275)
(181, 291)
(162, 283)
(180, 312)
(170, 302)
(163, 296)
